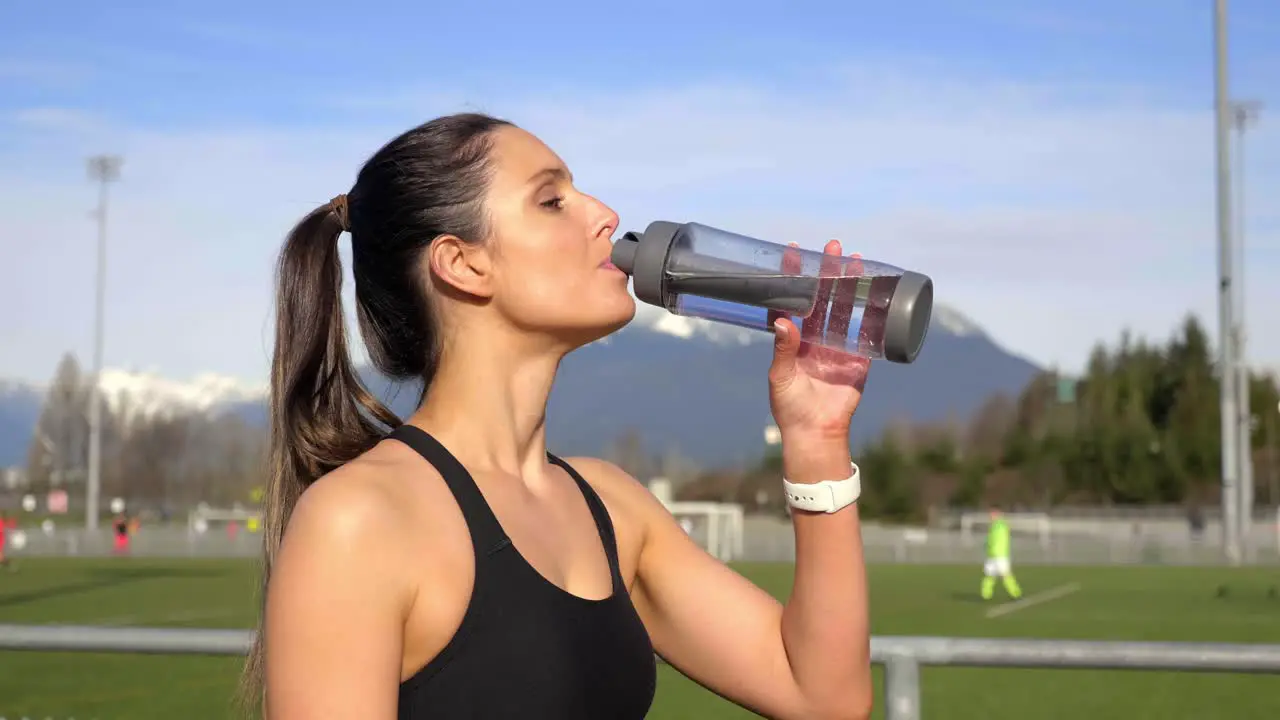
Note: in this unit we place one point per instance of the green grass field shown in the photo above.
(1113, 603)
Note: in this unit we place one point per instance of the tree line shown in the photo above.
(161, 458)
(1140, 426)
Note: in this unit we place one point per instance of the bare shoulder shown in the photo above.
(612, 482)
(341, 588)
(365, 517)
(629, 502)
(352, 507)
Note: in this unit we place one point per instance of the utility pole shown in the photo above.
(103, 169)
(1243, 114)
(1227, 372)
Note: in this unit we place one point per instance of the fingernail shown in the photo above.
(780, 329)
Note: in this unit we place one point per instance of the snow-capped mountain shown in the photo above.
(945, 318)
(956, 322)
(684, 384)
(128, 395)
(661, 321)
(699, 388)
(132, 394)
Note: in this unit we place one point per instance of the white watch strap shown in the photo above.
(827, 496)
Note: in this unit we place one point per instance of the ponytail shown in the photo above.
(427, 182)
(321, 414)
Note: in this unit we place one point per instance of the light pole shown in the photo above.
(1227, 372)
(1243, 114)
(103, 169)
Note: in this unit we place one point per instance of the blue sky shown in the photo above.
(1049, 163)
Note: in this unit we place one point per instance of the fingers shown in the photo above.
(843, 299)
(876, 311)
(815, 325)
(786, 348)
(791, 264)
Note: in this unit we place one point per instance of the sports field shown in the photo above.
(1110, 603)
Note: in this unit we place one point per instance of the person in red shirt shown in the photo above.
(120, 529)
(6, 524)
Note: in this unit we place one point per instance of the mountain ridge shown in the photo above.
(686, 386)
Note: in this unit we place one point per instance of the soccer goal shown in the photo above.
(204, 518)
(717, 527)
(974, 525)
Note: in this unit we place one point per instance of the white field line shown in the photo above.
(1042, 597)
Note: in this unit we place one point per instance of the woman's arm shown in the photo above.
(825, 626)
(336, 605)
(808, 659)
(812, 657)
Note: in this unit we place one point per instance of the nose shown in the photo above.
(606, 220)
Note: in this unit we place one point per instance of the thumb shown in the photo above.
(786, 346)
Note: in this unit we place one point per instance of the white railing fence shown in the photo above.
(902, 657)
(758, 539)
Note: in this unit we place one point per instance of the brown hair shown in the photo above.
(427, 182)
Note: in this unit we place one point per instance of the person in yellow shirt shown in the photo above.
(999, 542)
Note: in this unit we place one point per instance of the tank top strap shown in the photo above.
(604, 525)
(486, 533)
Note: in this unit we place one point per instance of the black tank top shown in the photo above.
(526, 648)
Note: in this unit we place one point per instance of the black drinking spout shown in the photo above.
(624, 253)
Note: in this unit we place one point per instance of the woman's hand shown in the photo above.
(814, 390)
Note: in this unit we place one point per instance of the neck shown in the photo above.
(488, 403)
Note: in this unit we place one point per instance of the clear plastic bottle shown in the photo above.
(854, 305)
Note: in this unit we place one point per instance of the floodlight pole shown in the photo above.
(103, 169)
(1227, 371)
(1244, 113)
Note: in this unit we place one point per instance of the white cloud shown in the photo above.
(1053, 216)
(55, 120)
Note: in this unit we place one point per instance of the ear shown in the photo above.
(463, 266)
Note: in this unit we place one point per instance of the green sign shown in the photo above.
(1066, 390)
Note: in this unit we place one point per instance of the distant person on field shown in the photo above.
(998, 565)
(6, 524)
(120, 534)
(446, 565)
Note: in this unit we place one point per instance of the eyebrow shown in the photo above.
(551, 173)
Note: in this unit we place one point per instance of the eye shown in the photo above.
(555, 203)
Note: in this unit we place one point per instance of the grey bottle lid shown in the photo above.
(643, 256)
(907, 319)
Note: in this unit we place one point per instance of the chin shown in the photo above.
(625, 316)
(610, 318)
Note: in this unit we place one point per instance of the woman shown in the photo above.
(456, 569)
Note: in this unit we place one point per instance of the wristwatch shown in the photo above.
(827, 496)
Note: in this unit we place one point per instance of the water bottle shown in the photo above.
(854, 305)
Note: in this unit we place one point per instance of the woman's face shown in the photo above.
(550, 246)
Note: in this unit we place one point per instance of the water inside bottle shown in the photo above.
(850, 317)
